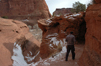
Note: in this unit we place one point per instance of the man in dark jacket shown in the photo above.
(70, 39)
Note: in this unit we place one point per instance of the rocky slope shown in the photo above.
(10, 31)
(56, 29)
(37, 32)
(59, 58)
(92, 53)
(62, 11)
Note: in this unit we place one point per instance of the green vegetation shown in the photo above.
(5, 17)
(77, 7)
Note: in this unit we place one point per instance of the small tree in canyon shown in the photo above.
(77, 7)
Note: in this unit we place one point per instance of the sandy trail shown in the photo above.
(60, 60)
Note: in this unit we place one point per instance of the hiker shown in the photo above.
(70, 39)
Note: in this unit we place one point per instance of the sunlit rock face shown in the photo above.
(56, 29)
(92, 52)
(24, 9)
(10, 30)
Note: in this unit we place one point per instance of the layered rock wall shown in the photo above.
(24, 9)
(92, 52)
(56, 29)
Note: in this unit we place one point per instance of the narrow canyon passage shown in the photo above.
(31, 36)
(79, 29)
(59, 59)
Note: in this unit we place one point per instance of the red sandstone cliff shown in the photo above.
(56, 29)
(92, 52)
(62, 11)
(10, 30)
(97, 1)
(24, 9)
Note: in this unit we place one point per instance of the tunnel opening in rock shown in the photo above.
(82, 31)
(56, 24)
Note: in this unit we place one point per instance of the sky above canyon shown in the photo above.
(53, 4)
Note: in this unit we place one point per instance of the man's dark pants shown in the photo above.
(70, 47)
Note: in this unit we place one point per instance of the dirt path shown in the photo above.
(59, 59)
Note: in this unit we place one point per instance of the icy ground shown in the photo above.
(56, 60)
(72, 16)
(18, 58)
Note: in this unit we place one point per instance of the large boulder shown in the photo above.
(10, 31)
(56, 29)
(92, 51)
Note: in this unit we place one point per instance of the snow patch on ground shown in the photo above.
(54, 34)
(31, 58)
(62, 31)
(55, 58)
(57, 15)
(71, 16)
(25, 20)
(30, 52)
(18, 58)
(48, 21)
(55, 41)
(76, 14)
(51, 45)
(45, 63)
(52, 59)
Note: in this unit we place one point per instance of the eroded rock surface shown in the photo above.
(10, 30)
(56, 29)
(92, 52)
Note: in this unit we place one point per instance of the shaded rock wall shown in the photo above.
(29, 48)
(62, 11)
(97, 1)
(56, 29)
(92, 51)
(10, 30)
(24, 9)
